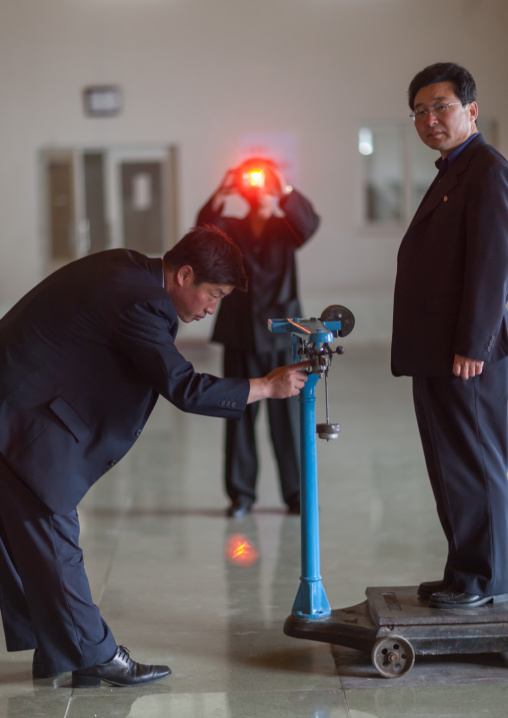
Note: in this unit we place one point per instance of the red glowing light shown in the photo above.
(240, 551)
(254, 178)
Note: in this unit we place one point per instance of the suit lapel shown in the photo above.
(451, 178)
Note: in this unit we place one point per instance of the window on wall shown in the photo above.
(396, 169)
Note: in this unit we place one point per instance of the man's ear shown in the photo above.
(184, 275)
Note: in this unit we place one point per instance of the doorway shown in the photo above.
(101, 198)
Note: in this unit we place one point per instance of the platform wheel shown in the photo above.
(393, 656)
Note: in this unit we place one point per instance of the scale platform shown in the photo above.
(394, 625)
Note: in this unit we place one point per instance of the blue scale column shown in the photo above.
(311, 600)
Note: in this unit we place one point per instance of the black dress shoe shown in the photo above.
(427, 588)
(239, 509)
(121, 671)
(39, 669)
(451, 599)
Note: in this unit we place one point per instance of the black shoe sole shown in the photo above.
(95, 681)
(239, 512)
(480, 601)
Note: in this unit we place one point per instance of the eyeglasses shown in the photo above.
(437, 110)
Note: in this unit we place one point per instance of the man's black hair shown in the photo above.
(213, 256)
(462, 81)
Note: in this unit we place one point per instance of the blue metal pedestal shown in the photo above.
(311, 601)
(311, 337)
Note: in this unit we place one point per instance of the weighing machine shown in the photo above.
(394, 625)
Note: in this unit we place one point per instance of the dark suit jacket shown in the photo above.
(242, 321)
(452, 269)
(83, 359)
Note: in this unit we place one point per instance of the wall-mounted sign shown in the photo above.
(102, 100)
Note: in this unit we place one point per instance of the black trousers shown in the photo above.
(464, 430)
(45, 597)
(241, 463)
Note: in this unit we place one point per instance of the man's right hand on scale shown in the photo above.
(281, 383)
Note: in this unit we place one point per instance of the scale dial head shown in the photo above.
(338, 313)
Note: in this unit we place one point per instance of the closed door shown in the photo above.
(142, 206)
(61, 208)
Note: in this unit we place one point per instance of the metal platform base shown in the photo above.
(394, 625)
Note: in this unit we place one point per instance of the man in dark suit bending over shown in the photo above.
(83, 359)
(450, 334)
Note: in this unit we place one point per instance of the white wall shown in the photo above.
(204, 73)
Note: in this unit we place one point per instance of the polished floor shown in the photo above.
(155, 536)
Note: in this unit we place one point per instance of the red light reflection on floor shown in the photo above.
(240, 551)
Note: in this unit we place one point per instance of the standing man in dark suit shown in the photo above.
(450, 334)
(83, 359)
(278, 222)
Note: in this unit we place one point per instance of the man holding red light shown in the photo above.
(278, 222)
